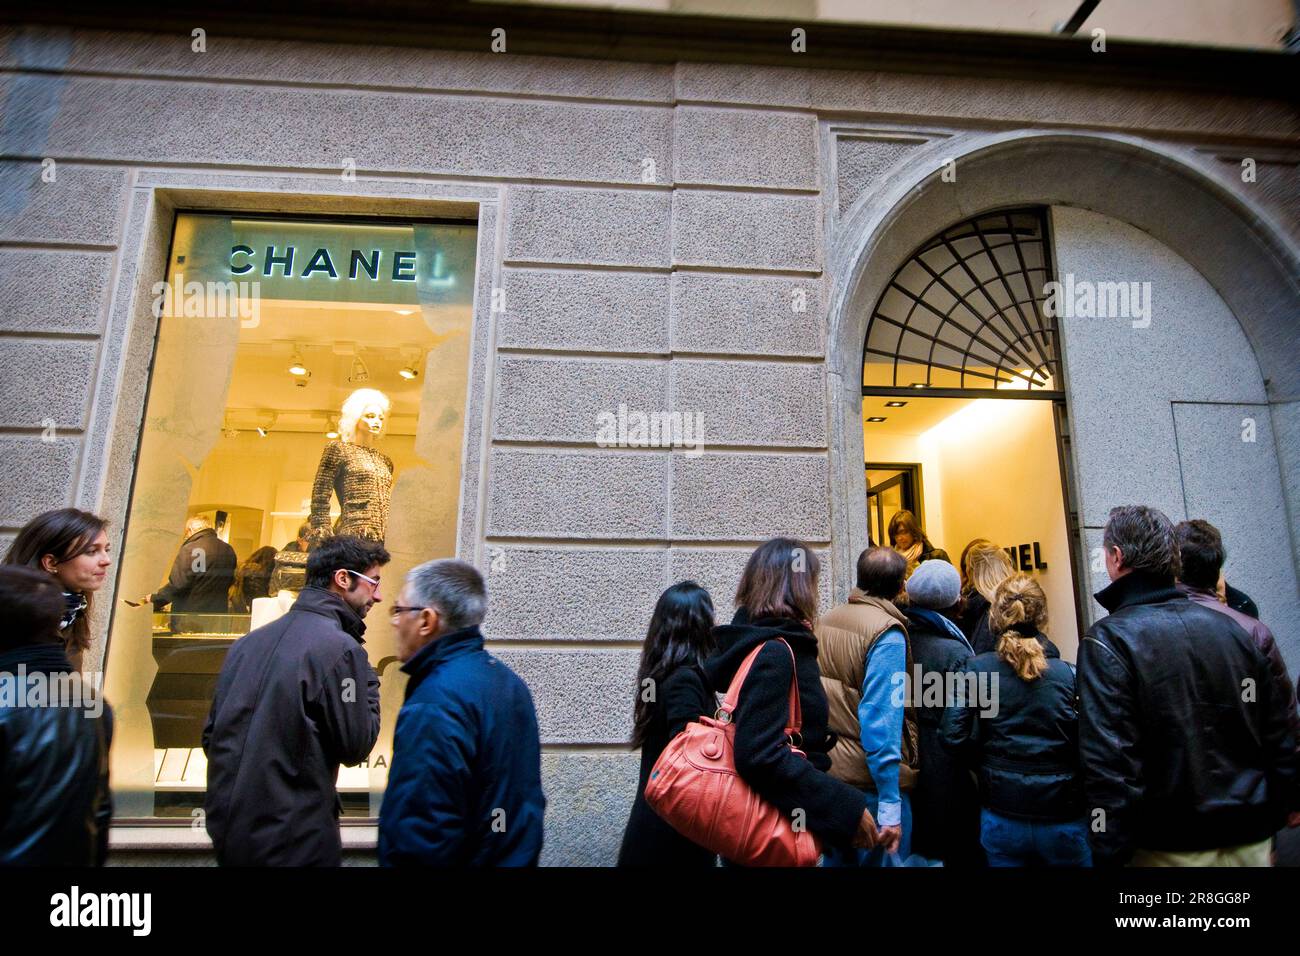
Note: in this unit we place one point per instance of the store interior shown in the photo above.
(976, 468)
(240, 414)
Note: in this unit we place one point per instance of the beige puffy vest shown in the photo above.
(845, 635)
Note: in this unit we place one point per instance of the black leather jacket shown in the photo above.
(1185, 744)
(55, 805)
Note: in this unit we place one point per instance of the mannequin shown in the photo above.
(357, 473)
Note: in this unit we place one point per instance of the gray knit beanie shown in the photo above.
(935, 585)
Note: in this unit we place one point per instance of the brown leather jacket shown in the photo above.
(845, 635)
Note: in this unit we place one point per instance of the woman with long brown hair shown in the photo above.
(907, 538)
(1024, 739)
(776, 606)
(72, 546)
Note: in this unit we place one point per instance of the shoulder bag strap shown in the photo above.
(728, 706)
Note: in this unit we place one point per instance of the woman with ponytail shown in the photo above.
(1018, 723)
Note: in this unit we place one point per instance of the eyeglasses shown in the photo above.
(361, 576)
(397, 609)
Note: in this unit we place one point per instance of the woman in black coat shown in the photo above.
(671, 692)
(1027, 752)
(777, 600)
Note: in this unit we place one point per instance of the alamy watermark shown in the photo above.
(943, 689)
(62, 689)
(637, 429)
(209, 300)
(1085, 299)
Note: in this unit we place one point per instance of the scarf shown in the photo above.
(74, 603)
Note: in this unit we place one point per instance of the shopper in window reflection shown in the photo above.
(945, 803)
(72, 546)
(303, 540)
(55, 805)
(777, 601)
(983, 567)
(1188, 753)
(1016, 717)
(862, 650)
(1201, 556)
(465, 788)
(200, 578)
(294, 700)
(907, 538)
(672, 691)
(252, 580)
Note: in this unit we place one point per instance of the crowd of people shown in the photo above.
(1174, 742)
(929, 719)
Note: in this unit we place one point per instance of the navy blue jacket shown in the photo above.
(465, 788)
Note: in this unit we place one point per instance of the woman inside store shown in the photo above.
(983, 567)
(671, 692)
(907, 538)
(72, 547)
(252, 580)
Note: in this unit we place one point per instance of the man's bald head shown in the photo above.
(881, 572)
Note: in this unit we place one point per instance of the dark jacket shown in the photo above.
(294, 700)
(465, 788)
(55, 804)
(1240, 601)
(974, 623)
(1026, 754)
(832, 809)
(930, 553)
(1263, 639)
(1185, 743)
(648, 839)
(199, 586)
(945, 802)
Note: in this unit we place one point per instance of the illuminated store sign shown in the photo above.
(367, 264)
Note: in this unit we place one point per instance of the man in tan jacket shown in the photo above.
(864, 658)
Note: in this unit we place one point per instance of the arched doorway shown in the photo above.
(964, 403)
(1158, 192)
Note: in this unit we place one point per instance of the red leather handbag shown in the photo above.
(695, 787)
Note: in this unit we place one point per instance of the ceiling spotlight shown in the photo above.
(919, 385)
(296, 367)
(262, 431)
(895, 404)
(875, 418)
(407, 373)
(405, 311)
(332, 433)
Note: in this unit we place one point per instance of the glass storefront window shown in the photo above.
(267, 327)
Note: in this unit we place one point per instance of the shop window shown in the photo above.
(288, 351)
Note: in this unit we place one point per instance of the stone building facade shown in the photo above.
(644, 230)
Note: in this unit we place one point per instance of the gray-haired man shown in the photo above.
(1187, 750)
(465, 788)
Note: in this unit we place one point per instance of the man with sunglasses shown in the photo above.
(294, 700)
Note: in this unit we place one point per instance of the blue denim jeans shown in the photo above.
(1011, 842)
(852, 856)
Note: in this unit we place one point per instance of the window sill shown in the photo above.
(143, 836)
